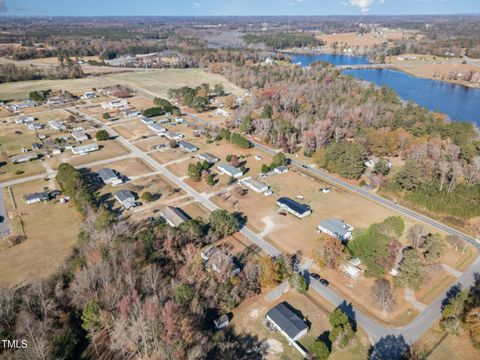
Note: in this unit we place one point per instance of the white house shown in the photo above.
(229, 170)
(132, 113)
(174, 136)
(35, 126)
(179, 120)
(80, 136)
(222, 112)
(108, 176)
(57, 125)
(89, 95)
(282, 169)
(186, 146)
(294, 207)
(159, 129)
(255, 185)
(36, 197)
(336, 228)
(164, 121)
(173, 216)
(84, 149)
(25, 119)
(288, 323)
(115, 104)
(23, 158)
(125, 198)
(211, 159)
(146, 120)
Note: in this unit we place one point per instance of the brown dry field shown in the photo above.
(140, 102)
(133, 129)
(248, 317)
(370, 39)
(439, 280)
(46, 247)
(453, 347)
(127, 167)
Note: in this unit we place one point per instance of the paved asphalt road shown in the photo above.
(4, 226)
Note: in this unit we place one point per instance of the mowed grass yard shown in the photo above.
(149, 82)
(51, 230)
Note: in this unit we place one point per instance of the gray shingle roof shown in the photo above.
(287, 320)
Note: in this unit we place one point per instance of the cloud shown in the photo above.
(3, 6)
(363, 5)
(197, 5)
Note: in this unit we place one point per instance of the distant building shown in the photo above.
(222, 112)
(84, 149)
(35, 126)
(164, 121)
(80, 136)
(21, 105)
(132, 113)
(255, 185)
(89, 95)
(287, 322)
(173, 216)
(211, 159)
(179, 120)
(336, 228)
(282, 169)
(221, 322)
(36, 197)
(174, 136)
(229, 170)
(146, 120)
(57, 125)
(186, 146)
(108, 176)
(125, 198)
(159, 129)
(293, 207)
(36, 146)
(25, 119)
(115, 104)
(23, 158)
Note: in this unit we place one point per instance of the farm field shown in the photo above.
(46, 247)
(151, 82)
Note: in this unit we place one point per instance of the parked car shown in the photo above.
(315, 276)
(324, 282)
(325, 190)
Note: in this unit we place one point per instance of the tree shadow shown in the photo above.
(390, 347)
(347, 309)
(451, 293)
(324, 337)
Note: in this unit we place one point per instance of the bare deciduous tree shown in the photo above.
(383, 295)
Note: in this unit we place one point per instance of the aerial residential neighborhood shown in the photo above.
(287, 181)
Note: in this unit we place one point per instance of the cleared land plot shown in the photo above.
(436, 282)
(133, 129)
(369, 39)
(452, 347)
(128, 167)
(249, 316)
(51, 230)
(151, 82)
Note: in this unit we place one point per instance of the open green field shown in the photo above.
(150, 82)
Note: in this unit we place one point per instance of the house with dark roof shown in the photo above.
(36, 197)
(186, 146)
(108, 176)
(336, 228)
(294, 207)
(287, 322)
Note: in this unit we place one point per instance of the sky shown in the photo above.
(235, 7)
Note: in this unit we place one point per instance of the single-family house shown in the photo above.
(89, 95)
(125, 198)
(255, 185)
(36, 146)
(56, 101)
(115, 104)
(56, 151)
(108, 176)
(35, 126)
(186, 146)
(80, 136)
(164, 121)
(179, 120)
(287, 322)
(211, 159)
(57, 125)
(173, 216)
(222, 112)
(221, 322)
(23, 158)
(336, 228)
(84, 149)
(282, 169)
(229, 170)
(132, 113)
(36, 197)
(294, 207)
(174, 136)
(25, 119)
(21, 105)
(41, 136)
(159, 129)
(146, 120)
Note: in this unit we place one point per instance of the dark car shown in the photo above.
(315, 276)
(324, 282)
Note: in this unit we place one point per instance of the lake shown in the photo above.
(459, 102)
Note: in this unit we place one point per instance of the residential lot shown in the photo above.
(249, 317)
(46, 247)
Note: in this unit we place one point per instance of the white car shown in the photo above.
(268, 192)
